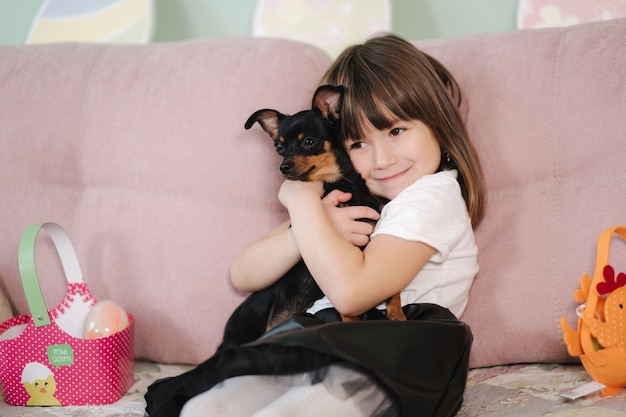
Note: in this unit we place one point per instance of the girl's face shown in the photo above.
(392, 159)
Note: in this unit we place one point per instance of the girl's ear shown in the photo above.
(327, 100)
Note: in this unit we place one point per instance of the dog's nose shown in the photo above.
(286, 167)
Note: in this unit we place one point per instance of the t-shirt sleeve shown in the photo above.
(433, 213)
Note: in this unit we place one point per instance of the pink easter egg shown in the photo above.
(104, 319)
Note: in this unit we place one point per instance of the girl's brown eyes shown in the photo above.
(357, 145)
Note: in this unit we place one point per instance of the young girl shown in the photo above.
(406, 138)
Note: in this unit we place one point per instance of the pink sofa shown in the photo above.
(139, 152)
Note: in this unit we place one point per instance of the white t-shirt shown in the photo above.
(432, 211)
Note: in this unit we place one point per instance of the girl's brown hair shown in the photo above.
(387, 77)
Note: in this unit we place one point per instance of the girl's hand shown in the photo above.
(344, 219)
(294, 191)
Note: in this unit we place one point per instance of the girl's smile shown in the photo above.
(389, 160)
(392, 177)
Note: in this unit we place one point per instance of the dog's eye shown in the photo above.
(309, 141)
(280, 148)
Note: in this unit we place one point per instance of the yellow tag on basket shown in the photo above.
(600, 337)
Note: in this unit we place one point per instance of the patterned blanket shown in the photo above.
(501, 391)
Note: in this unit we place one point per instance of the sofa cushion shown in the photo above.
(547, 112)
(140, 153)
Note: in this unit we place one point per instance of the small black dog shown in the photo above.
(312, 150)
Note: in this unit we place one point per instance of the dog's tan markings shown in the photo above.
(316, 168)
(300, 136)
(326, 168)
(301, 165)
(321, 167)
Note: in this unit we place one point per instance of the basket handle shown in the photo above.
(602, 259)
(604, 242)
(28, 273)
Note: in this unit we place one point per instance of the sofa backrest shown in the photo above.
(139, 152)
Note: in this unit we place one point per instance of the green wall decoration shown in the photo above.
(192, 19)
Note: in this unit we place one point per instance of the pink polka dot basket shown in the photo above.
(44, 358)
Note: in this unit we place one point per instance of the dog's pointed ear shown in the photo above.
(268, 119)
(327, 99)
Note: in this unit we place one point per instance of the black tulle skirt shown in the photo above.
(421, 363)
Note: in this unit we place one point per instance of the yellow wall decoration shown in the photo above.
(104, 21)
(330, 24)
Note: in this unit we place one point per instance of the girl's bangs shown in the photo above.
(367, 112)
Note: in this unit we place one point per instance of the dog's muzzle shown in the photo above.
(287, 169)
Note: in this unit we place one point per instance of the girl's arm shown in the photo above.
(269, 258)
(353, 280)
(266, 260)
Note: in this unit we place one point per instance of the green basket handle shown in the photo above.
(28, 273)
